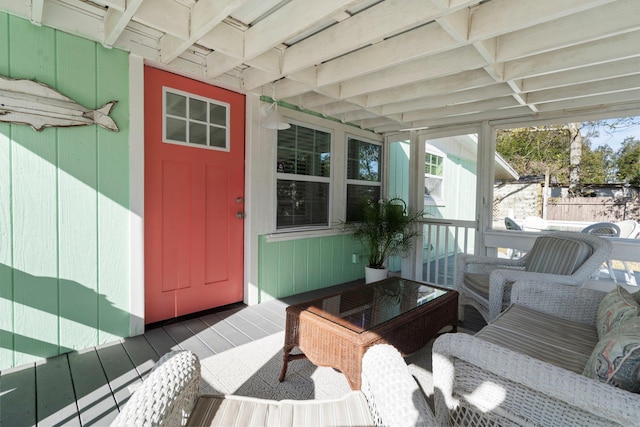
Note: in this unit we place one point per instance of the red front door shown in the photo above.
(194, 195)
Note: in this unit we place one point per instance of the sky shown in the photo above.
(614, 138)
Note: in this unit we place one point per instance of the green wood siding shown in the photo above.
(294, 266)
(64, 202)
(399, 170)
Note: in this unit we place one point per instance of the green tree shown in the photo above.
(593, 169)
(536, 150)
(628, 161)
(530, 151)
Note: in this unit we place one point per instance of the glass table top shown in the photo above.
(366, 307)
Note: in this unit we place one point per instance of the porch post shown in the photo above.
(410, 263)
(484, 201)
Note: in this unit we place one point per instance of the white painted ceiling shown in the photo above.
(383, 65)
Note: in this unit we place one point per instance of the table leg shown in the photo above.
(285, 361)
(287, 357)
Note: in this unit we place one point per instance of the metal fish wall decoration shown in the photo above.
(40, 106)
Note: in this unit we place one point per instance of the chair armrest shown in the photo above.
(499, 279)
(565, 394)
(476, 259)
(393, 395)
(568, 302)
(482, 265)
(167, 396)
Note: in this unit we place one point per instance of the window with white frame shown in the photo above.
(195, 121)
(364, 177)
(303, 175)
(433, 178)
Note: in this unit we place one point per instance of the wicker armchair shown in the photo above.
(169, 397)
(481, 383)
(561, 257)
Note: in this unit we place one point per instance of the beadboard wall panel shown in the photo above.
(295, 266)
(64, 196)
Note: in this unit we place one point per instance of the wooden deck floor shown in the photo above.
(87, 387)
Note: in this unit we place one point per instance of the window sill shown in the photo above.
(283, 236)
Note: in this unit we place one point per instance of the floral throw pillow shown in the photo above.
(616, 358)
(614, 309)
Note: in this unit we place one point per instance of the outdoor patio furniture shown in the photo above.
(511, 224)
(534, 223)
(605, 229)
(563, 257)
(169, 396)
(629, 229)
(556, 357)
(336, 330)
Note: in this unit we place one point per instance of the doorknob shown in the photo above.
(239, 199)
(240, 215)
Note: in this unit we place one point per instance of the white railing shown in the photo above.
(443, 240)
(627, 251)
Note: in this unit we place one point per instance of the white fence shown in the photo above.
(443, 240)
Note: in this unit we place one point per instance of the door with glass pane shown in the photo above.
(194, 195)
(446, 183)
(449, 202)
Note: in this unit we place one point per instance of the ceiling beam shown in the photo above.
(460, 97)
(619, 84)
(293, 18)
(415, 44)
(456, 24)
(442, 85)
(441, 64)
(505, 113)
(225, 39)
(599, 51)
(166, 16)
(455, 110)
(204, 16)
(372, 25)
(116, 21)
(37, 7)
(497, 17)
(593, 73)
(593, 24)
(591, 101)
(219, 63)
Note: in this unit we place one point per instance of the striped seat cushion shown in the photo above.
(542, 336)
(350, 410)
(556, 255)
(478, 283)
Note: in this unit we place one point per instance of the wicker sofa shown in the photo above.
(169, 397)
(534, 364)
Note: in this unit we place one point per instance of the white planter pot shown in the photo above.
(374, 274)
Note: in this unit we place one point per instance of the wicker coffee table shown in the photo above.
(337, 329)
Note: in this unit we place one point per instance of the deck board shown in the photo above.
(161, 341)
(187, 341)
(260, 321)
(243, 325)
(119, 370)
(141, 354)
(18, 396)
(96, 403)
(227, 331)
(56, 405)
(214, 341)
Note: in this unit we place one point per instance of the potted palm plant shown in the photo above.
(386, 228)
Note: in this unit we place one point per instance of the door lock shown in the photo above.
(239, 199)
(240, 215)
